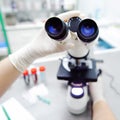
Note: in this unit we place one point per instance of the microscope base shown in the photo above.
(77, 105)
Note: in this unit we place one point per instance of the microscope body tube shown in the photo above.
(81, 48)
(91, 47)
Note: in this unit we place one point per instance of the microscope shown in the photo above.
(78, 67)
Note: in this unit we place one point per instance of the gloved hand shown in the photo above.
(96, 90)
(40, 46)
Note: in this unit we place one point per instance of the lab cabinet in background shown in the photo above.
(19, 37)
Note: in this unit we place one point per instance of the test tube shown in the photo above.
(42, 74)
(26, 77)
(34, 75)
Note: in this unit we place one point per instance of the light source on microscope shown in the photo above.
(77, 92)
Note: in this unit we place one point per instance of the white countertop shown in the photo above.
(57, 92)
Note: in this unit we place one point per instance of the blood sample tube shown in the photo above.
(42, 74)
(34, 75)
(26, 77)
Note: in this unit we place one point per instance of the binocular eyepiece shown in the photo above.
(87, 29)
(56, 28)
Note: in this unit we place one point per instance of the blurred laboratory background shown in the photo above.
(21, 21)
(20, 18)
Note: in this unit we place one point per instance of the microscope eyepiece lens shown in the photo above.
(56, 28)
(87, 30)
(53, 30)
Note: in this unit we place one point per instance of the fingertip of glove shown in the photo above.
(67, 15)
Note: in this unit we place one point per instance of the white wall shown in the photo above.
(112, 8)
(90, 7)
(107, 8)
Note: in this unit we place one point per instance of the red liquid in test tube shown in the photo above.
(26, 77)
(34, 75)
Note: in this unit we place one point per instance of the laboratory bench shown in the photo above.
(57, 109)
